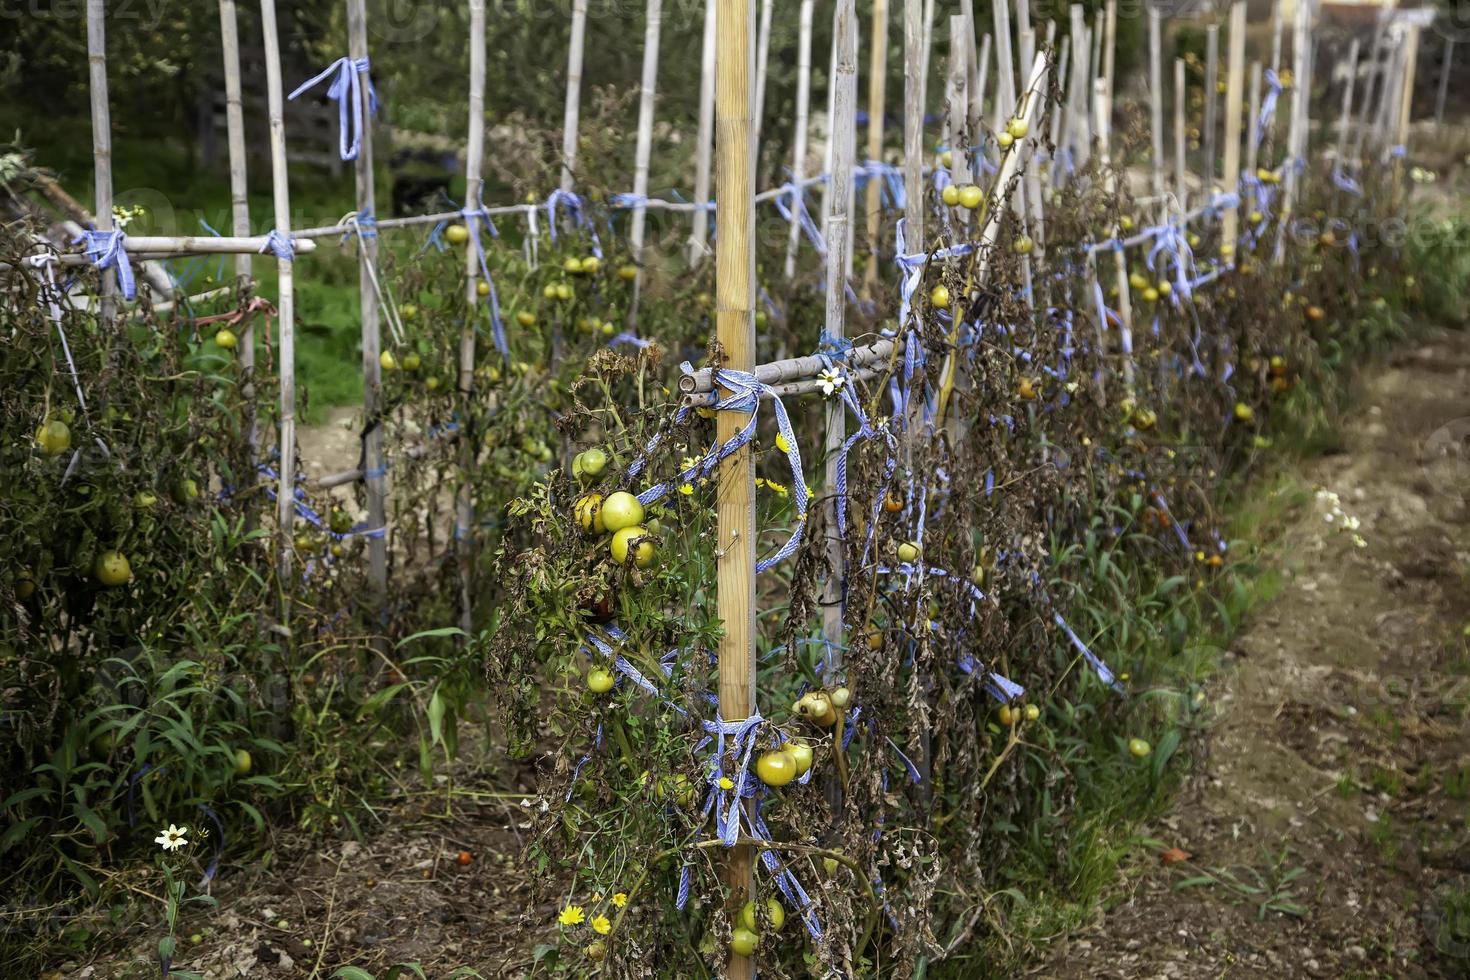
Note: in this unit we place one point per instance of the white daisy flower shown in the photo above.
(172, 839)
(831, 382)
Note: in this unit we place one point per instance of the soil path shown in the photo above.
(1326, 820)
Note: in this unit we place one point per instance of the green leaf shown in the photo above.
(353, 973)
(427, 634)
(436, 717)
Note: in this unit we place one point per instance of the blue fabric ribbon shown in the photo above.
(105, 249)
(346, 89)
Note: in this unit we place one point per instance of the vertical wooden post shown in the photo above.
(1181, 187)
(571, 117)
(1444, 79)
(101, 144)
(1252, 116)
(803, 112)
(1301, 90)
(844, 144)
(700, 233)
(1103, 111)
(1406, 97)
(1212, 83)
(1234, 103)
(240, 226)
(464, 509)
(913, 129)
(828, 188)
(1005, 64)
(374, 471)
(762, 57)
(1080, 89)
(1110, 52)
(1276, 15)
(285, 306)
(735, 331)
(1344, 121)
(653, 27)
(1059, 116)
(1156, 105)
(958, 86)
(978, 81)
(877, 90)
(928, 51)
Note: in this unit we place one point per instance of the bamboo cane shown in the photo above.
(1005, 64)
(978, 82)
(1181, 165)
(1103, 111)
(1344, 121)
(285, 307)
(1080, 88)
(1156, 107)
(928, 51)
(1444, 79)
(877, 90)
(803, 110)
(1212, 82)
(762, 58)
(1109, 53)
(844, 136)
(1406, 103)
(1300, 91)
(464, 511)
(375, 483)
(828, 188)
(913, 127)
(957, 88)
(240, 224)
(735, 330)
(1234, 98)
(572, 113)
(699, 238)
(1253, 114)
(1276, 25)
(653, 27)
(101, 143)
(1374, 84)
(1059, 117)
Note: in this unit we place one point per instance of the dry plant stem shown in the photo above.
(803, 109)
(764, 845)
(998, 201)
(735, 331)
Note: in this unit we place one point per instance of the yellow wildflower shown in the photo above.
(777, 488)
(686, 489)
(601, 926)
(620, 899)
(572, 915)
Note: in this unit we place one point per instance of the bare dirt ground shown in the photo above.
(1326, 823)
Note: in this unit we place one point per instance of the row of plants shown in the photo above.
(908, 787)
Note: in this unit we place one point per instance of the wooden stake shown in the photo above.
(571, 116)
(1103, 123)
(699, 238)
(1212, 83)
(958, 96)
(1445, 70)
(978, 81)
(1234, 103)
(1344, 121)
(844, 141)
(464, 510)
(1406, 103)
(877, 90)
(762, 57)
(285, 308)
(1181, 187)
(1005, 64)
(913, 128)
(803, 112)
(1080, 89)
(653, 27)
(1156, 106)
(1252, 116)
(240, 225)
(375, 481)
(1110, 50)
(1059, 117)
(101, 144)
(735, 331)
